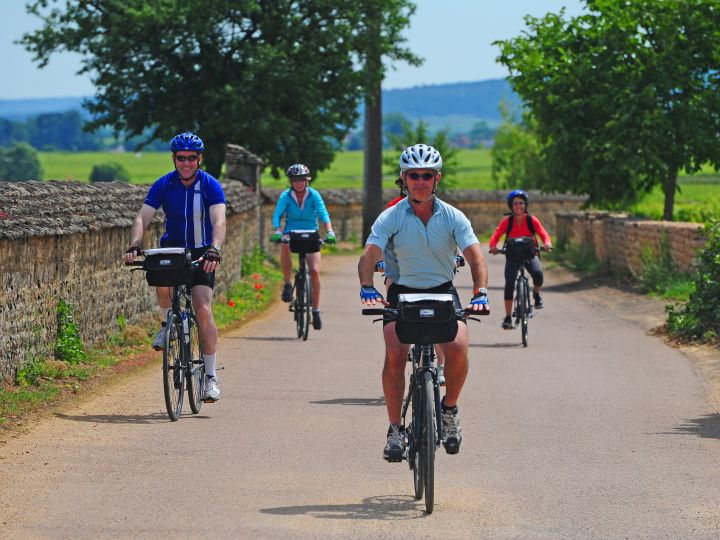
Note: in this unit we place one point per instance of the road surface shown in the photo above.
(596, 430)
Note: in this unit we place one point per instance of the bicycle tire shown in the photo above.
(414, 442)
(427, 444)
(299, 305)
(308, 307)
(173, 374)
(195, 367)
(525, 323)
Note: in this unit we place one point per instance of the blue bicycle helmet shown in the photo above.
(517, 193)
(187, 141)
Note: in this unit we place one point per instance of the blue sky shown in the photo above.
(453, 36)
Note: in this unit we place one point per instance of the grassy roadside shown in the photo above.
(47, 382)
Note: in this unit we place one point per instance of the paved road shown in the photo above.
(596, 430)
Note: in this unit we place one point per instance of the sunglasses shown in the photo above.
(183, 159)
(298, 179)
(424, 176)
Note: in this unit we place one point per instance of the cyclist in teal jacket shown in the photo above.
(302, 206)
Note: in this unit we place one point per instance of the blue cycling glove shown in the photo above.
(369, 293)
(480, 299)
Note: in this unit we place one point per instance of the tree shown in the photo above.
(283, 78)
(625, 96)
(419, 134)
(516, 154)
(19, 163)
(109, 172)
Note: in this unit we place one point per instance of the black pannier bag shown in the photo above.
(426, 318)
(305, 241)
(168, 267)
(521, 248)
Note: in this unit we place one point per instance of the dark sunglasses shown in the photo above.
(424, 176)
(183, 159)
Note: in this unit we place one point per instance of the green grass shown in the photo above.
(144, 168)
(699, 197)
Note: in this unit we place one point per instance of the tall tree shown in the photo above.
(281, 77)
(379, 37)
(625, 96)
(20, 162)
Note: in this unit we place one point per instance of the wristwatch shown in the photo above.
(216, 247)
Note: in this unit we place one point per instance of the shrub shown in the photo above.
(699, 318)
(109, 172)
(69, 346)
(19, 163)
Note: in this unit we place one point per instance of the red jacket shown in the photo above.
(520, 228)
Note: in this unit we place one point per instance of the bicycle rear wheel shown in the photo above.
(427, 443)
(173, 375)
(195, 367)
(414, 442)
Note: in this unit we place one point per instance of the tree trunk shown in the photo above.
(373, 162)
(669, 188)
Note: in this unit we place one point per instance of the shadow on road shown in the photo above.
(375, 402)
(260, 338)
(382, 507)
(707, 427)
(495, 345)
(155, 418)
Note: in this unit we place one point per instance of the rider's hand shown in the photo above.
(369, 295)
(547, 247)
(276, 237)
(211, 259)
(479, 303)
(494, 250)
(132, 252)
(330, 238)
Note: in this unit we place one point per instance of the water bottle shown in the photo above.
(186, 329)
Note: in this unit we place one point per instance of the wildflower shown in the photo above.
(231, 303)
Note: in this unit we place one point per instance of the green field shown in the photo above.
(699, 196)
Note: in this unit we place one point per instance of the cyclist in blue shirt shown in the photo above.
(302, 206)
(194, 206)
(422, 233)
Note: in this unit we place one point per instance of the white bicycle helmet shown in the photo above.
(297, 170)
(420, 156)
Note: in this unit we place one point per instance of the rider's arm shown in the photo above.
(142, 220)
(366, 265)
(280, 209)
(217, 218)
(499, 231)
(478, 266)
(541, 232)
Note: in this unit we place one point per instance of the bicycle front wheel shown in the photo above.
(427, 442)
(299, 306)
(525, 323)
(173, 375)
(308, 307)
(195, 367)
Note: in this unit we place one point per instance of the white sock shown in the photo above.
(164, 313)
(209, 364)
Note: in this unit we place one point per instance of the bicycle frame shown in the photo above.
(423, 360)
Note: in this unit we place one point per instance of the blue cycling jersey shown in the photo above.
(187, 215)
(297, 217)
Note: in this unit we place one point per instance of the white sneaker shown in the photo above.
(212, 390)
(159, 342)
(441, 374)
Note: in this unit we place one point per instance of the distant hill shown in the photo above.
(22, 109)
(454, 106)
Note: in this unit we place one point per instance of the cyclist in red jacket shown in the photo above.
(520, 223)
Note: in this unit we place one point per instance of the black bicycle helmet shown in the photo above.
(187, 141)
(518, 193)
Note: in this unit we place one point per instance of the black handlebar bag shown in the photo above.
(426, 319)
(168, 267)
(305, 241)
(521, 248)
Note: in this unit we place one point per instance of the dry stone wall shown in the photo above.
(65, 240)
(617, 240)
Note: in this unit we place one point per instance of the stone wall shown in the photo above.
(618, 240)
(65, 240)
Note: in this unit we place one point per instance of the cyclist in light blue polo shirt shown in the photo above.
(422, 233)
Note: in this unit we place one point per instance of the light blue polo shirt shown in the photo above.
(425, 254)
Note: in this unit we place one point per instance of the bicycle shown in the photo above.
(302, 242)
(423, 320)
(523, 249)
(183, 363)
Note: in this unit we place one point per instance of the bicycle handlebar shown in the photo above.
(392, 313)
(535, 250)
